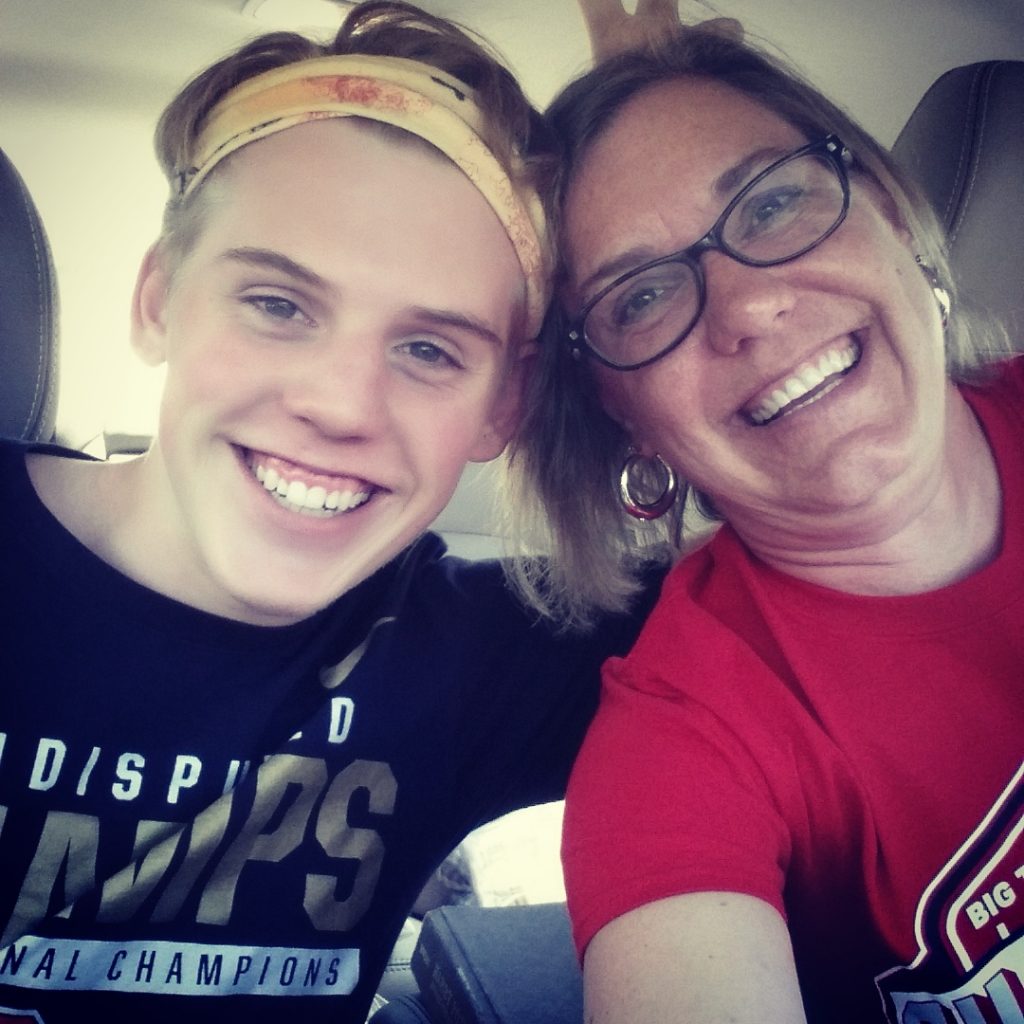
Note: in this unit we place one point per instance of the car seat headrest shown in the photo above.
(964, 145)
(28, 315)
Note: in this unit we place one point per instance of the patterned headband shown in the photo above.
(416, 97)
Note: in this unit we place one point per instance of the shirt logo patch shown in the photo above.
(970, 930)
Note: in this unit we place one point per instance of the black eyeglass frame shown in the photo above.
(841, 159)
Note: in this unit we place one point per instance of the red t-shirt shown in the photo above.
(851, 760)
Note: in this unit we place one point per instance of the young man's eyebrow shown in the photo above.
(459, 321)
(274, 260)
(439, 317)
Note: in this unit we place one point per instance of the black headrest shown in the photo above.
(28, 315)
(964, 144)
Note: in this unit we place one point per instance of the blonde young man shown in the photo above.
(248, 706)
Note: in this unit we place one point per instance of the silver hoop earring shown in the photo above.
(940, 292)
(665, 499)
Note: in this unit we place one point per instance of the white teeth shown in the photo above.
(811, 377)
(298, 495)
(806, 379)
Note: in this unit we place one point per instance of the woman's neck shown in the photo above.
(911, 538)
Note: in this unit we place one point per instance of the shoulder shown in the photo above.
(474, 599)
(710, 648)
(12, 462)
(442, 587)
(1000, 385)
(1011, 372)
(695, 609)
(16, 457)
(12, 459)
(16, 491)
(459, 623)
(15, 479)
(998, 402)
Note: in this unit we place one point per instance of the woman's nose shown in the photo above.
(743, 304)
(341, 388)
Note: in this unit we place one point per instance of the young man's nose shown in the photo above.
(341, 388)
(743, 303)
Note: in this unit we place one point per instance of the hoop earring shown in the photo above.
(662, 503)
(938, 290)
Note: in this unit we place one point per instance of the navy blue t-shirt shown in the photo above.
(206, 820)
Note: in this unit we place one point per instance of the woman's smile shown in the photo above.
(809, 383)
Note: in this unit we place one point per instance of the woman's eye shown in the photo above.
(766, 211)
(636, 304)
(643, 300)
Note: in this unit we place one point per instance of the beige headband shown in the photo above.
(405, 93)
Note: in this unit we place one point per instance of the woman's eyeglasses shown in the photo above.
(786, 210)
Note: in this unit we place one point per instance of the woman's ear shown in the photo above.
(890, 210)
(612, 399)
(614, 404)
(149, 307)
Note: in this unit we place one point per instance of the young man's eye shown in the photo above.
(276, 307)
(431, 354)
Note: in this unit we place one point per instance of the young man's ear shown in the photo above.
(149, 307)
(507, 406)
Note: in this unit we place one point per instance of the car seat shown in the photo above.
(964, 144)
(28, 315)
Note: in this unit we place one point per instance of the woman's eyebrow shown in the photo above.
(615, 267)
(274, 260)
(730, 181)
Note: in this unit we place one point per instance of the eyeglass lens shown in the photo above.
(773, 219)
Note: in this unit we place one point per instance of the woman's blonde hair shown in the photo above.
(565, 464)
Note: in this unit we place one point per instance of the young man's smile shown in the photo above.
(302, 489)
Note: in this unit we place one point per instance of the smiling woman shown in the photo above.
(812, 727)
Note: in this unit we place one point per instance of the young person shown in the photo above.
(804, 782)
(248, 705)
